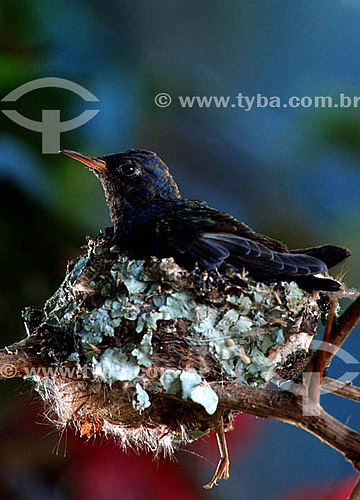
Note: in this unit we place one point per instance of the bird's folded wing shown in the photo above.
(212, 249)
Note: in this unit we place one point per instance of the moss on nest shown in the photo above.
(135, 345)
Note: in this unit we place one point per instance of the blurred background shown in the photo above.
(289, 173)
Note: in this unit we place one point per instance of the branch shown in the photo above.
(343, 389)
(320, 360)
(355, 494)
(19, 363)
(339, 334)
(288, 407)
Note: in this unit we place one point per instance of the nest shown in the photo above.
(135, 345)
(133, 348)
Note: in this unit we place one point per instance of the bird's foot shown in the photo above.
(222, 469)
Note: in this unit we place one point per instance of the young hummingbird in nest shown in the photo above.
(152, 218)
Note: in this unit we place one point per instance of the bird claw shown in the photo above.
(222, 469)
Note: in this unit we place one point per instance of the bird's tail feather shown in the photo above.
(243, 251)
(310, 283)
(330, 254)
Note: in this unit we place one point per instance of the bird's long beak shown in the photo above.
(91, 161)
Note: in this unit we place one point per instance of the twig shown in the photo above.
(288, 407)
(319, 363)
(343, 389)
(18, 363)
(339, 334)
(355, 493)
(320, 366)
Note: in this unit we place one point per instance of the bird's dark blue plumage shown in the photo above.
(151, 218)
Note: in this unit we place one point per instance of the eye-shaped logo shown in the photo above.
(308, 407)
(50, 127)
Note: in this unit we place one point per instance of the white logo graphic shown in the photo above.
(50, 127)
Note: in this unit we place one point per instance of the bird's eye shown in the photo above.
(128, 169)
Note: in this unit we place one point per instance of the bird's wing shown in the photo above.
(203, 234)
(213, 248)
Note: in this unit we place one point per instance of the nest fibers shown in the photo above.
(132, 347)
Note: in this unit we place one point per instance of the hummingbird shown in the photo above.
(151, 218)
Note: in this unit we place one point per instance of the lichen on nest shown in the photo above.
(135, 345)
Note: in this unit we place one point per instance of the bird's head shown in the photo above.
(137, 179)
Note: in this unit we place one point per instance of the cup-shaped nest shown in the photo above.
(135, 348)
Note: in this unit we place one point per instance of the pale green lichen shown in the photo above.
(243, 325)
(206, 397)
(150, 319)
(194, 388)
(144, 351)
(191, 386)
(295, 298)
(115, 365)
(250, 318)
(181, 305)
(170, 380)
(133, 285)
(228, 353)
(279, 337)
(242, 303)
(227, 321)
(141, 399)
(238, 327)
(96, 325)
(260, 366)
